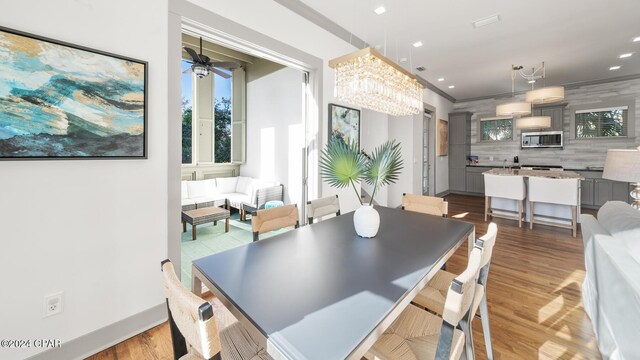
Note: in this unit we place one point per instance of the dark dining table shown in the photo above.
(322, 292)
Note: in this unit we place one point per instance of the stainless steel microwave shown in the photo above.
(542, 139)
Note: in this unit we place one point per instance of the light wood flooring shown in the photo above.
(533, 292)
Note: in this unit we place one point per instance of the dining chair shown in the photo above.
(433, 296)
(323, 207)
(554, 191)
(425, 204)
(510, 187)
(193, 324)
(421, 335)
(265, 220)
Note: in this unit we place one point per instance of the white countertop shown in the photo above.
(551, 174)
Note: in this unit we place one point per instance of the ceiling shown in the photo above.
(578, 40)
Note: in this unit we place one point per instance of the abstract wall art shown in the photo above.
(62, 101)
(443, 137)
(344, 123)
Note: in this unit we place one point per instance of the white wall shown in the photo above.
(440, 165)
(94, 229)
(374, 132)
(275, 127)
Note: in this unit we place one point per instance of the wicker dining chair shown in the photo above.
(425, 204)
(418, 334)
(265, 220)
(193, 324)
(433, 296)
(323, 207)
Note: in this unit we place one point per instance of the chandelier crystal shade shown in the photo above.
(534, 122)
(513, 109)
(545, 95)
(367, 79)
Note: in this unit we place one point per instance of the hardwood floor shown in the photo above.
(533, 292)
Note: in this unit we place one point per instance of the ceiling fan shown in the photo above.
(202, 64)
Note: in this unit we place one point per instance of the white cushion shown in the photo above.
(187, 202)
(244, 185)
(237, 199)
(227, 185)
(219, 199)
(623, 223)
(183, 191)
(202, 188)
(261, 184)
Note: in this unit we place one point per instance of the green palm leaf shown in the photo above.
(384, 166)
(341, 164)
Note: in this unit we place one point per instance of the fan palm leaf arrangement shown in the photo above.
(344, 164)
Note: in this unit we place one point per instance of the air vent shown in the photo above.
(421, 68)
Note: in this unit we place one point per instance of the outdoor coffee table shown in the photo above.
(204, 215)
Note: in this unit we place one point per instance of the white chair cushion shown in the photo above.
(206, 199)
(623, 223)
(244, 185)
(553, 191)
(187, 202)
(237, 199)
(261, 184)
(504, 186)
(227, 185)
(202, 188)
(183, 190)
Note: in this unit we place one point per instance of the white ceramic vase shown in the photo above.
(366, 221)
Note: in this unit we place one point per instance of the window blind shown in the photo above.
(602, 122)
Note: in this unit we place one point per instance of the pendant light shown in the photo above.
(514, 108)
(545, 95)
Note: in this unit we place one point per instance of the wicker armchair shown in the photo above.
(266, 220)
(323, 207)
(194, 329)
(425, 204)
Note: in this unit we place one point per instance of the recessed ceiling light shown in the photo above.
(625, 55)
(531, 81)
(614, 67)
(486, 21)
(451, 86)
(441, 79)
(636, 39)
(403, 60)
(417, 44)
(380, 10)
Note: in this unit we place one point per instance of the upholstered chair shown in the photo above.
(554, 191)
(263, 221)
(509, 187)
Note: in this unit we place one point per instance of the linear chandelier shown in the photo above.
(368, 79)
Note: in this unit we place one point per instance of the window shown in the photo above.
(496, 129)
(187, 112)
(603, 122)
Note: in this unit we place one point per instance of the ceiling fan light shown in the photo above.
(534, 122)
(545, 95)
(200, 70)
(513, 109)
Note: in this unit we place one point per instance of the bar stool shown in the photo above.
(554, 191)
(505, 187)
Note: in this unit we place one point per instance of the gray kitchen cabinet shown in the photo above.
(475, 183)
(587, 192)
(459, 149)
(555, 112)
(608, 190)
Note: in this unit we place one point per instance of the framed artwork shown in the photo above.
(443, 137)
(344, 123)
(63, 101)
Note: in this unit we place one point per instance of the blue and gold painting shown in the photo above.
(62, 101)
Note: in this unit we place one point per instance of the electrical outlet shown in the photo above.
(53, 304)
(490, 158)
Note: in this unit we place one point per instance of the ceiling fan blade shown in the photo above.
(226, 64)
(221, 73)
(193, 54)
(188, 70)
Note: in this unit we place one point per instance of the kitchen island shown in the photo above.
(555, 213)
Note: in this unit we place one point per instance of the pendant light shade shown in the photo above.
(534, 122)
(545, 95)
(513, 109)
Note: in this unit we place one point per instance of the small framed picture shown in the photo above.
(344, 124)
